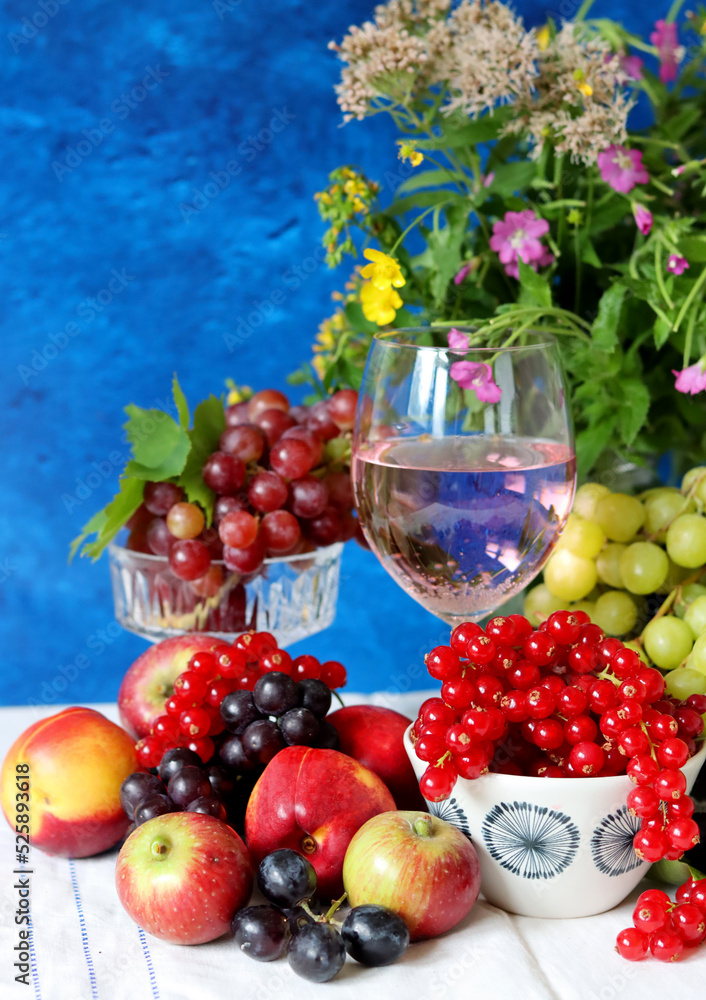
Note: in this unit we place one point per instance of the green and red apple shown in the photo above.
(313, 801)
(183, 876)
(150, 680)
(77, 761)
(416, 864)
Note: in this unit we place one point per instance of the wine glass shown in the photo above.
(461, 499)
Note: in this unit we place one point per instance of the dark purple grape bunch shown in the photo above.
(315, 944)
(182, 782)
(277, 713)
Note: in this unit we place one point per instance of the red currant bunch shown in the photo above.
(561, 701)
(192, 714)
(665, 929)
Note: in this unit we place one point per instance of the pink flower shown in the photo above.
(643, 218)
(487, 179)
(622, 168)
(458, 341)
(462, 274)
(677, 264)
(631, 66)
(476, 376)
(664, 38)
(691, 379)
(517, 236)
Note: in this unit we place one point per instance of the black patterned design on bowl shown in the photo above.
(611, 843)
(530, 841)
(450, 811)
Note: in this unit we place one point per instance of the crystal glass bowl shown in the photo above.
(291, 596)
(549, 847)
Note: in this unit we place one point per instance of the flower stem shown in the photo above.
(411, 226)
(689, 336)
(698, 284)
(674, 10)
(583, 10)
(660, 277)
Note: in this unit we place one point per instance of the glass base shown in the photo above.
(292, 597)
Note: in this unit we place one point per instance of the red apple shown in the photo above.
(313, 801)
(374, 736)
(76, 762)
(182, 876)
(420, 866)
(150, 680)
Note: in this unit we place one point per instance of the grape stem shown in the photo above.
(670, 599)
(327, 918)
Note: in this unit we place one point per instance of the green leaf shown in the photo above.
(593, 440)
(356, 317)
(352, 375)
(609, 215)
(605, 325)
(423, 199)
(181, 404)
(662, 329)
(676, 126)
(634, 406)
(426, 179)
(445, 249)
(588, 251)
(470, 134)
(535, 290)
(159, 444)
(512, 177)
(92, 527)
(693, 248)
(109, 521)
(209, 424)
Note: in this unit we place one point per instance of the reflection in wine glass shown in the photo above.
(462, 498)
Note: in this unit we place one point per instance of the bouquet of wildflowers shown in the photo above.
(527, 201)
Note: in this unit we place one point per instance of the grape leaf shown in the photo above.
(92, 527)
(108, 522)
(159, 444)
(181, 404)
(209, 424)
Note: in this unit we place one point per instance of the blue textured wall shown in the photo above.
(113, 117)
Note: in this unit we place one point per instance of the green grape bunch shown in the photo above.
(637, 566)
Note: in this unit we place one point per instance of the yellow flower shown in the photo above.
(325, 340)
(236, 394)
(585, 88)
(379, 305)
(383, 272)
(544, 37)
(408, 152)
(319, 366)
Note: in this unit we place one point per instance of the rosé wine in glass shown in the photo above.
(462, 501)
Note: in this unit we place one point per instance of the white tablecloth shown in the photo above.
(85, 947)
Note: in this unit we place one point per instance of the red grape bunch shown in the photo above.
(282, 488)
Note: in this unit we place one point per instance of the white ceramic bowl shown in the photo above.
(549, 847)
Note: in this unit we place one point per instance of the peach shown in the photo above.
(77, 761)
